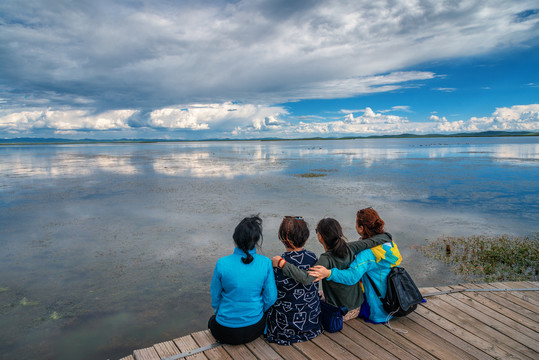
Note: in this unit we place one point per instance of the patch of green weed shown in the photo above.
(488, 258)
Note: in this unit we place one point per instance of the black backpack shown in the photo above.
(402, 294)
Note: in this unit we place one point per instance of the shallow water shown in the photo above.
(107, 248)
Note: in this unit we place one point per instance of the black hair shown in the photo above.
(247, 234)
(331, 233)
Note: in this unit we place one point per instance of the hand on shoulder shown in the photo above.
(319, 272)
(275, 260)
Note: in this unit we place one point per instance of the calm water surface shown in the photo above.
(107, 248)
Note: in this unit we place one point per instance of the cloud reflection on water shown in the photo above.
(230, 160)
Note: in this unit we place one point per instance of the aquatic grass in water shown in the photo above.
(310, 175)
(488, 258)
(316, 173)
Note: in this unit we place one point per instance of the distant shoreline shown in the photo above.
(58, 141)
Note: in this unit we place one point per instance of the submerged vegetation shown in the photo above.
(310, 175)
(316, 173)
(488, 258)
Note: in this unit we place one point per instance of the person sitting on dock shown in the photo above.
(295, 315)
(339, 254)
(376, 262)
(242, 288)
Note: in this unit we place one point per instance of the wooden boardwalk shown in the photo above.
(458, 325)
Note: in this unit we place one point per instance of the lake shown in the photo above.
(107, 248)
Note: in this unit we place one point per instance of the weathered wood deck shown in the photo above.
(460, 325)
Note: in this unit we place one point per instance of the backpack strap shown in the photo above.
(375, 288)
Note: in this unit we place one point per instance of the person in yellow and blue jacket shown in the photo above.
(375, 262)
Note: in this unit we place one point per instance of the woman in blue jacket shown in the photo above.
(375, 262)
(242, 288)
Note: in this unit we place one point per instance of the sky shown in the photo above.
(214, 69)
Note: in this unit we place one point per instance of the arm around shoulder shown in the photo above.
(300, 275)
(358, 246)
(364, 262)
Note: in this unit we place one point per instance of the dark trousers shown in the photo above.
(236, 336)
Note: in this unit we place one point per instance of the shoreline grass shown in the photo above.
(484, 258)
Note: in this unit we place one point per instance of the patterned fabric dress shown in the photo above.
(295, 317)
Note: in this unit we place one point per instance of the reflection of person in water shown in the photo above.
(295, 315)
(242, 288)
(375, 262)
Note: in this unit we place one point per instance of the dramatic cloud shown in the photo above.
(98, 65)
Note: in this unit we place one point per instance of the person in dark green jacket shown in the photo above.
(339, 254)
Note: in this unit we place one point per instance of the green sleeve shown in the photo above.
(360, 245)
(300, 275)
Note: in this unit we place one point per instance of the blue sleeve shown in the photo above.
(216, 288)
(269, 293)
(363, 262)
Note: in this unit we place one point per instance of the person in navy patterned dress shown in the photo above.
(295, 316)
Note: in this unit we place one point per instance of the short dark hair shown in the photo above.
(294, 231)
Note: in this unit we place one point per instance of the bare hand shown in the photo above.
(319, 272)
(275, 261)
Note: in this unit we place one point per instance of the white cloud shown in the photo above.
(252, 121)
(446, 89)
(437, 118)
(515, 118)
(154, 54)
(65, 120)
(216, 117)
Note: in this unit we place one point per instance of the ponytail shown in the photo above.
(246, 236)
(333, 237)
(340, 249)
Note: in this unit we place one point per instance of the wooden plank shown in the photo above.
(332, 348)
(460, 325)
(448, 336)
(516, 319)
(527, 284)
(205, 338)
(166, 349)
(262, 350)
(146, 354)
(461, 319)
(350, 344)
(311, 351)
(429, 341)
(428, 290)
(524, 295)
(511, 302)
(488, 325)
(462, 333)
(288, 352)
(494, 320)
(239, 352)
(398, 347)
(187, 343)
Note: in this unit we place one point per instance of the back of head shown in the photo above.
(331, 232)
(371, 222)
(294, 231)
(246, 236)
